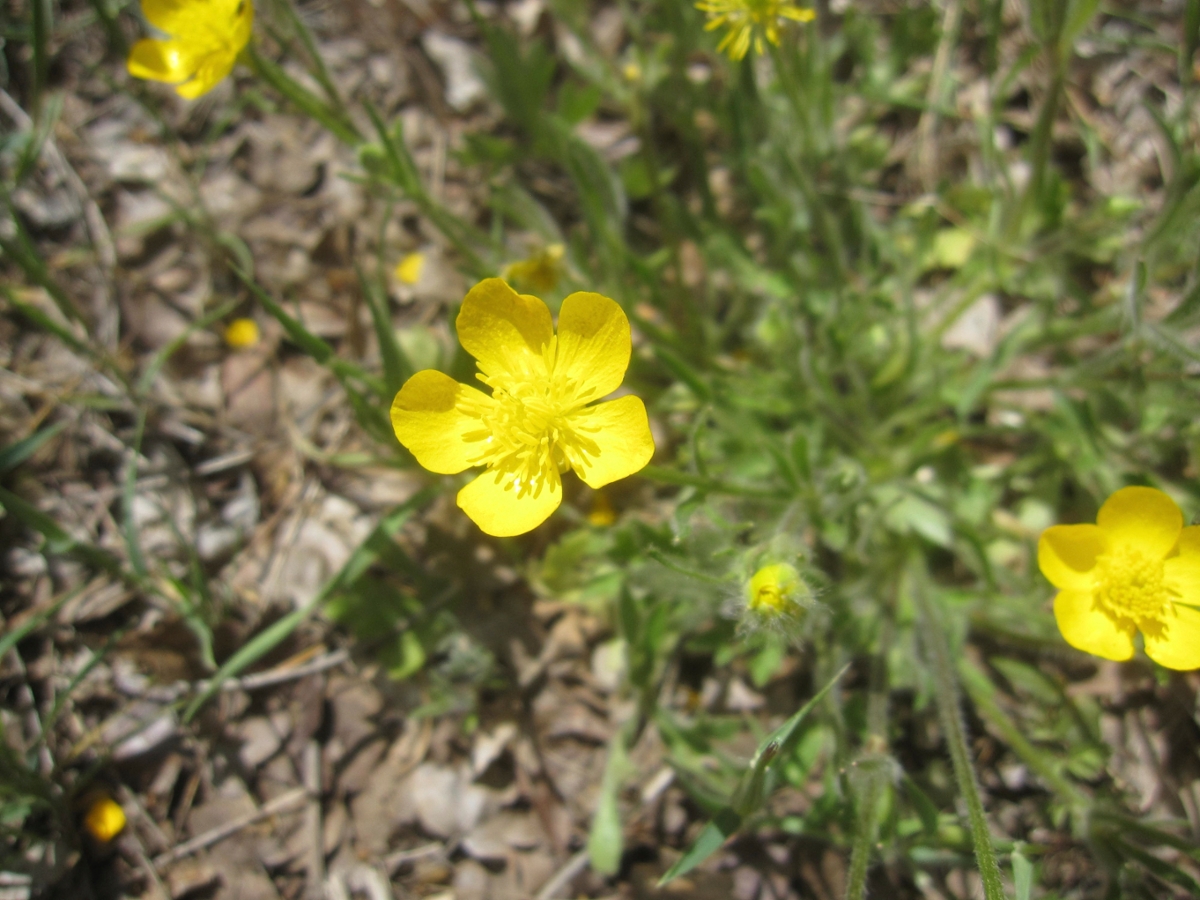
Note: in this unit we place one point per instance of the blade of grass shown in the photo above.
(266, 640)
(15, 454)
(751, 791)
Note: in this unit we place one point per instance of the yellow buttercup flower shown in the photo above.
(776, 590)
(408, 270)
(539, 272)
(537, 423)
(104, 819)
(1136, 569)
(205, 38)
(750, 20)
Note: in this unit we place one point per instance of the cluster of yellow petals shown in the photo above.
(540, 419)
(204, 40)
(750, 21)
(1136, 569)
(539, 272)
(776, 590)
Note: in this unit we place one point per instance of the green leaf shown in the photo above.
(266, 640)
(715, 833)
(605, 842)
(396, 367)
(15, 454)
(750, 793)
(1022, 873)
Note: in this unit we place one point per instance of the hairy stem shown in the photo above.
(950, 716)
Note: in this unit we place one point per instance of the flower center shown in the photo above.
(1130, 588)
(535, 424)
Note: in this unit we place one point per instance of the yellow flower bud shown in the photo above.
(105, 819)
(776, 590)
(408, 270)
(241, 333)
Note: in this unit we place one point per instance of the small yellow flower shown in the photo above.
(776, 590)
(105, 819)
(205, 38)
(241, 333)
(750, 20)
(1136, 569)
(408, 270)
(602, 513)
(632, 71)
(539, 272)
(537, 423)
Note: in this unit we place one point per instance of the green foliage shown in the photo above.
(803, 294)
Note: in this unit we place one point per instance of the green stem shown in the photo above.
(305, 99)
(950, 715)
(874, 775)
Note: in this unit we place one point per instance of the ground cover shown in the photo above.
(908, 284)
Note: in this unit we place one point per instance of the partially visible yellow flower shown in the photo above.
(539, 272)
(241, 333)
(749, 20)
(205, 38)
(1136, 569)
(631, 71)
(537, 423)
(602, 513)
(104, 819)
(408, 270)
(777, 590)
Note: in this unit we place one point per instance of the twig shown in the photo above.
(283, 802)
(563, 876)
(281, 674)
(393, 861)
(315, 865)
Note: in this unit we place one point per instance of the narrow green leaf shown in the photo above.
(266, 640)
(15, 454)
(715, 833)
(396, 367)
(58, 540)
(605, 841)
(1022, 873)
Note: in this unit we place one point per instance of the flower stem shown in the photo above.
(950, 714)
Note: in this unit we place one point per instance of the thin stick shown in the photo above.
(315, 865)
(282, 803)
(563, 876)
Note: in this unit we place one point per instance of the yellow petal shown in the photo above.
(1067, 553)
(169, 61)
(622, 431)
(593, 344)
(492, 502)
(1179, 647)
(1141, 517)
(1086, 628)
(192, 19)
(1182, 572)
(505, 331)
(174, 17)
(426, 419)
(408, 270)
(209, 73)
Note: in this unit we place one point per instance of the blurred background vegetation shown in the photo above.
(907, 288)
